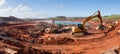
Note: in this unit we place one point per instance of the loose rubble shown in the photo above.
(27, 38)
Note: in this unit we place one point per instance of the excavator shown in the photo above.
(80, 30)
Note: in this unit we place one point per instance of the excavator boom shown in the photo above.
(92, 17)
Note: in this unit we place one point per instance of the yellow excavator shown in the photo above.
(80, 30)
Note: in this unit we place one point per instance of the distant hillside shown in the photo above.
(10, 18)
(66, 18)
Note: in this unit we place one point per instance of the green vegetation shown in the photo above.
(66, 18)
(113, 16)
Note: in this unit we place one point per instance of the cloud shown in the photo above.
(20, 8)
(2, 2)
(21, 11)
(60, 6)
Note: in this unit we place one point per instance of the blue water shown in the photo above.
(63, 22)
(67, 22)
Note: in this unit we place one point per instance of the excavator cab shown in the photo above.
(79, 30)
(101, 27)
(80, 26)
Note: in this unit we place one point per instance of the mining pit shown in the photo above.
(26, 38)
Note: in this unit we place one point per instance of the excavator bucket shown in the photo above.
(102, 27)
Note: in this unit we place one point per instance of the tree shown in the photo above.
(61, 17)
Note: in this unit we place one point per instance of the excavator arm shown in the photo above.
(92, 17)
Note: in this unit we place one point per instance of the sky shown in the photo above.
(53, 8)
